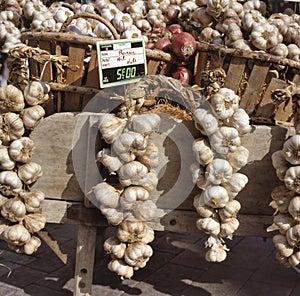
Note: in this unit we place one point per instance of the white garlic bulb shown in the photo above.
(113, 246)
(291, 179)
(137, 254)
(291, 150)
(205, 121)
(202, 151)
(6, 163)
(208, 225)
(32, 116)
(145, 123)
(215, 196)
(218, 171)
(107, 195)
(30, 172)
(21, 150)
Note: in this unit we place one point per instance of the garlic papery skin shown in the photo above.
(10, 184)
(34, 222)
(281, 244)
(145, 123)
(203, 210)
(292, 179)
(215, 196)
(13, 210)
(294, 259)
(216, 254)
(134, 230)
(238, 158)
(138, 254)
(102, 31)
(202, 151)
(32, 200)
(236, 183)
(11, 99)
(11, 127)
(281, 198)
(32, 116)
(30, 172)
(113, 246)
(216, 7)
(109, 11)
(131, 173)
(224, 102)
(198, 174)
(16, 235)
(111, 127)
(36, 92)
(131, 195)
(6, 163)
(230, 210)
(240, 120)
(122, 21)
(291, 150)
(218, 171)
(21, 150)
(121, 268)
(106, 195)
(32, 245)
(225, 140)
(205, 122)
(294, 208)
(112, 163)
(282, 222)
(113, 216)
(150, 158)
(208, 225)
(280, 164)
(293, 236)
(251, 18)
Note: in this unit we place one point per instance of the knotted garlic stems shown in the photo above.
(129, 205)
(286, 203)
(220, 155)
(19, 205)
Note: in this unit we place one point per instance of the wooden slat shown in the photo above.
(72, 102)
(85, 254)
(252, 94)
(152, 66)
(33, 65)
(200, 63)
(235, 73)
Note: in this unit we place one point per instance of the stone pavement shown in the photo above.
(176, 268)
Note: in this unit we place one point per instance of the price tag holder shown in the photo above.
(121, 61)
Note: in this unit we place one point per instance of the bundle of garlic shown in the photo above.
(20, 112)
(286, 203)
(129, 204)
(220, 155)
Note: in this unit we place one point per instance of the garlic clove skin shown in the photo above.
(10, 183)
(208, 225)
(294, 259)
(147, 211)
(131, 195)
(145, 123)
(34, 222)
(293, 236)
(112, 163)
(32, 116)
(228, 227)
(137, 254)
(230, 210)
(205, 121)
(236, 183)
(13, 210)
(36, 92)
(32, 245)
(6, 163)
(294, 208)
(150, 158)
(215, 196)
(238, 158)
(11, 99)
(291, 179)
(106, 195)
(281, 244)
(11, 127)
(280, 164)
(131, 173)
(218, 171)
(113, 216)
(198, 174)
(202, 151)
(32, 200)
(291, 150)
(16, 235)
(217, 254)
(203, 210)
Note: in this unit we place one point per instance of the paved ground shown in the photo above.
(176, 268)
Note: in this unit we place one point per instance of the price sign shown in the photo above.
(121, 61)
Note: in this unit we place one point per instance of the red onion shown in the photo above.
(183, 74)
(174, 29)
(183, 45)
(163, 44)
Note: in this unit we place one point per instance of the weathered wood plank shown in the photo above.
(235, 73)
(252, 94)
(152, 67)
(200, 64)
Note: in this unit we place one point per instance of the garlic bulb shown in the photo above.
(293, 236)
(21, 150)
(216, 254)
(10, 184)
(11, 99)
(281, 244)
(122, 21)
(202, 151)
(198, 174)
(250, 18)
(225, 140)
(111, 127)
(291, 150)
(137, 254)
(215, 196)
(147, 211)
(32, 116)
(134, 230)
(216, 7)
(294, 259)
(208, 225)
(238, 158)
(11, 127)
(282, 222)
(230, 210)
(291, 179)
(150, 158)
(16, 235)
(32, 200)
(6, 163)
(218, 171)
(228, 227)
(203, 210)
(13, 210)
(294, 208)
(240, 120)
(36, 92)
(236, 183)
(131, 173)
(280, 164)
(107, 195)
(113, 246)
(113, 216)
(131, 195)
(281, 198)
(31, 246)
(30, 172)
(205, 122)
(121, 268)
(112, 163)
(145, 123)
(34, 222)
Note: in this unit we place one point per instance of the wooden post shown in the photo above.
(85, 254)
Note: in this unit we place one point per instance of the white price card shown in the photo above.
(121, 61)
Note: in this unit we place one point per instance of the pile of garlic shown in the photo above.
(220, 155)
(129, 203)
(286, 203)
(20, 112)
